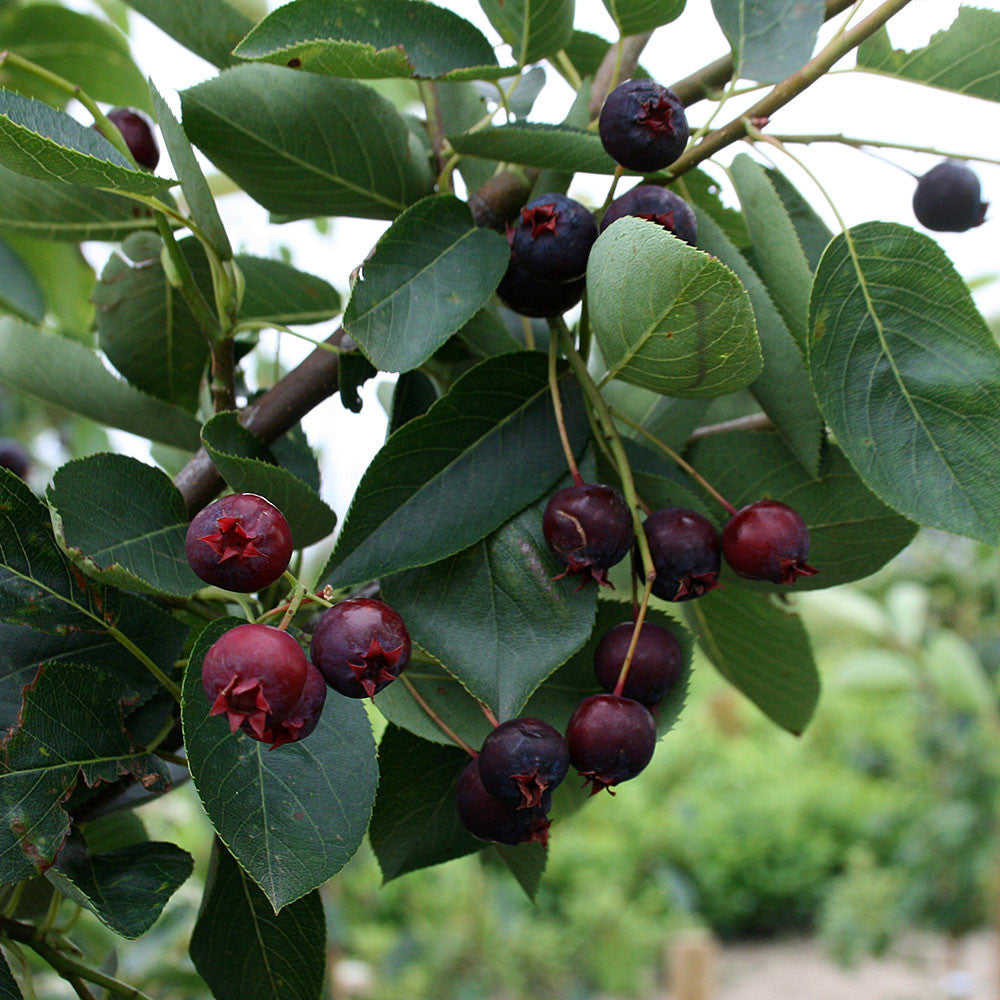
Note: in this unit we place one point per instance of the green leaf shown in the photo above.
(39, 141)
(415, 823)
(19, 292)
(280, 293)
(124, 522)
(813, 233)
(249, 466)
(783, 388)
(494, 616)
(9, 989)
(526, 862)
(396, 38)
(557, 147)
(412, 396)
(352, 373)
(294, 816)
(962, 58)
(429, 274)
(244, 951)
(534, 29)
(429, 492)
(704, 191)
(760, 649)
(201, 204)
(69, 375)
(633, 17)
(188, 22)
(91, 53)
(907, 375)
(770, 39)
(778, 255)
(144, 325)
(852, 532)
(126, 889)
(302, 144)
(668, 317)
(586, 52)
(71, 727)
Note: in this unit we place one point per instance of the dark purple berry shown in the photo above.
(359, 646)
(767, 540)
(948, 199)
(254, 674)
(655, 204)
(138, 135)
(302, 719)
(656, 662)
(553, 237)
(530, 295)
(240, 543)
(643, 126)
(611, 739)
(14, 457)
(685, 550)
(521, 759)
(588, 527)
(487, 818)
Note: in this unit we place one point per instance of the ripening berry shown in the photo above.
(487, 818)
(611, 739)
(948, 198)
(553, 237)
(138, 135)
(656, 663)
(521, 759)
(655, 204)
(643, 125)
(685, 550)
(767, 540)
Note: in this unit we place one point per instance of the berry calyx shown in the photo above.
(767, 540)
(611, 739)
(553, 238)
(685, 550)
(240, 543)
(643, 125)
(948, 198)
(138, 135)
(254, 675)
(301, 719)
(360, 646)
(521, 759)
(589, 528)
(655, 204)
(487, 818)
(656, 662)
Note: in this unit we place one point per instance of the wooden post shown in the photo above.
(691, 963)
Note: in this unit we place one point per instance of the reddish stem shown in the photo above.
(436, 719)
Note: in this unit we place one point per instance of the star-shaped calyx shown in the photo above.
(242, 700)
(531, 786)
(541, 219)
(665, 219)
(695, 584)
(792, 569)
(375, 669)
(231, 541)
(588, 570)
(657, 116)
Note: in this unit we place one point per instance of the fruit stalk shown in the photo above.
(435, 718)
(558, 411)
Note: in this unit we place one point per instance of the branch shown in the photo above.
(610, 73)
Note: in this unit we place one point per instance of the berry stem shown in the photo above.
(191, 292)
(488, 712)
(124, 640)
(435, 129)
(640, 616)
(282, 608)
(845, 140)
(292, 607)
(664, 447)
(435, 718)
(557, 409)
(223, 375)
(263, 324)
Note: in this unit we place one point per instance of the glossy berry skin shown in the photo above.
(685, 550)
(301, 720)
(948, 199)
(240, 543)
(360, 646)
(138, 135)
(487, 818)
(656, 662)
(655, 204)
(589, 528)
(611, 739)
(643, 126)
(767, 540)
(521, 759)
(14, 457)
(553, 237)
(254, 674)
(530, 295)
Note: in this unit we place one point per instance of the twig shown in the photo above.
(435, 718)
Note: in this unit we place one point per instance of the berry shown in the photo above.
(553, 237)
(656, 662)
(14, 457)
(303, 717)
(488, 818)
(767, 540)
(947, 199)
(655, 204)
(254, 674)
(359, 646)
(643, 126)
(685, 550)
(530, 295)
(240, 543)
(521, 759)
(138, 135)
(611, 739)
(588, 527)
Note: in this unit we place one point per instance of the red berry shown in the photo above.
(254, 674)
(588, 527)
(767, 540)
(488, 818)
(359, 646)
(521, 759)
(138, 135)
(302, 719)
(611, 739)
(240, 543)
(685, 550)
(656, 662)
